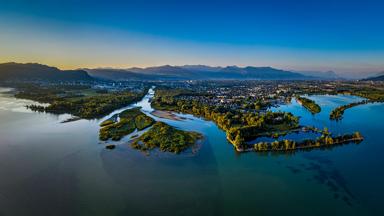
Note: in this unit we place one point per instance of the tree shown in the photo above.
(357, 135)
(239, 140)
(328, 140)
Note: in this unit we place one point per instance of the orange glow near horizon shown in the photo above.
(102, 48)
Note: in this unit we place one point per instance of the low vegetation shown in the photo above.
(80, 101)
(130, 120)
(166, 138)
(370, 93)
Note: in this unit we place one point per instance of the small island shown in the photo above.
(129, 121)
(309, 104)
(110, 147)
(337, 114)
(166, 138)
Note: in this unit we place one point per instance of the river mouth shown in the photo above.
(51, 168)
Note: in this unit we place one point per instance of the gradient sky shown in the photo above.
(340, 35)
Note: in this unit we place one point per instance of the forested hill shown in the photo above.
(38, 72)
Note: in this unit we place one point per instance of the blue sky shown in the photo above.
(340, 35)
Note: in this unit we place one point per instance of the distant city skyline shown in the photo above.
(342, 36)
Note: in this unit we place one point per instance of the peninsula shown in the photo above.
(309, 104)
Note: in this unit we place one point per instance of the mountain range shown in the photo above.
(378, 77)
(195, 72)
(38, 72)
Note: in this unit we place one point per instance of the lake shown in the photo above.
(53, 168)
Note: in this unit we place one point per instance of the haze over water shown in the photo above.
(62, 167)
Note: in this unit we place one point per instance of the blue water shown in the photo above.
(50, 168)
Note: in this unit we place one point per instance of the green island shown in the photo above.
(81, 101)
(309, 104)
(130, 120)
(166, 138)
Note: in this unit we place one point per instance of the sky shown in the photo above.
(303, 35)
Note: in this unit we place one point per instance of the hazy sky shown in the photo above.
(340, 35)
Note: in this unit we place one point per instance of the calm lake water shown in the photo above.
(53, 168)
